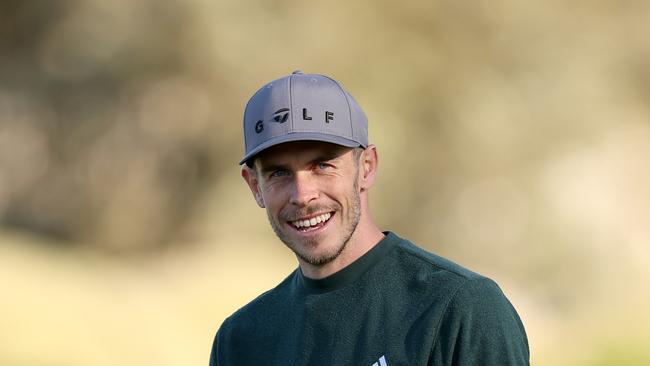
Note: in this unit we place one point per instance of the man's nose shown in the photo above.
(305, 189)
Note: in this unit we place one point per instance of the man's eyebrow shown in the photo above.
(328, 156)
(266, 168)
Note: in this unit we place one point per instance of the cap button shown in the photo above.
(296, 72)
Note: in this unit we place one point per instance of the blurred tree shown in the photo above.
(105, 128)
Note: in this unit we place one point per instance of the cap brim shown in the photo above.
(300, 136)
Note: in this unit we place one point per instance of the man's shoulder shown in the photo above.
(410, 274)
(257, 320)
(416, 258)
(266, 304)
(439, 279)
(471, 300)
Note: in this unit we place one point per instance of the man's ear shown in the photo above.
(250, 176)
(368, 167)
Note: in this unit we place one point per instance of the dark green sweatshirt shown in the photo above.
(396, 305)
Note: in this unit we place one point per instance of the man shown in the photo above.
(359, 296)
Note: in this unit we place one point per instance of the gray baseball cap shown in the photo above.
(302, 107)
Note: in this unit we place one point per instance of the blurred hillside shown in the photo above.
(513, 139)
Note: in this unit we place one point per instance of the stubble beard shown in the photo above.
(301, 248)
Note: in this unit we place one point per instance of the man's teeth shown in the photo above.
(311, 222)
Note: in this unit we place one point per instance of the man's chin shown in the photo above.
(316, 248)
(316, 253)
(317, 260)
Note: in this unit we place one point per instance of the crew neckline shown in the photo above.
(350, 273)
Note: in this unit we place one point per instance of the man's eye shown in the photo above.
(323, 165)
(279, 173)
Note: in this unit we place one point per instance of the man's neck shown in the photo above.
(364, 238)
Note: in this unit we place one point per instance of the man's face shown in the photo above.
(311, 194)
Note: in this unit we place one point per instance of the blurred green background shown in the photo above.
(513, 136)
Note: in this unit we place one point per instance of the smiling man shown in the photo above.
(359, 296)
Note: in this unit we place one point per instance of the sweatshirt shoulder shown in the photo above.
(254, 322)
(266, 302)
(421, 259)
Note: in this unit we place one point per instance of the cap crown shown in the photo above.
(302, 107)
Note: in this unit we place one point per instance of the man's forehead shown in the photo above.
(297, 150)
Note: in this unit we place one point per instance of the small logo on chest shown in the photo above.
(381, 362)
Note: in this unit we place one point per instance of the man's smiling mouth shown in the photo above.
(311, 223)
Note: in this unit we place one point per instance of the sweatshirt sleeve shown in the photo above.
(480, 327)
(218, 354)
